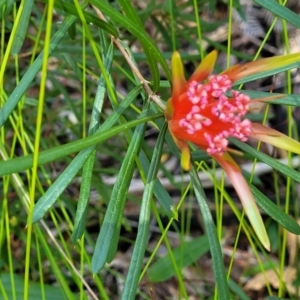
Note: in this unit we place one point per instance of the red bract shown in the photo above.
(206, 111)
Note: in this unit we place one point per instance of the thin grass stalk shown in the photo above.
(36, 146)
(132, 279)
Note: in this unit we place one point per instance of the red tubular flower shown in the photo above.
(208, 112)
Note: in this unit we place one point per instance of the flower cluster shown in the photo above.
(206, 111)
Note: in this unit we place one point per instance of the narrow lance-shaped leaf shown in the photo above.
(211, 232)
(281, 11)
(109, 234)
(22, 27)
(272, 162)
(25, 162)
(132, 278)
(81, 211)
(275, 212)
(47, 201)
(30, 74)
(153, 54)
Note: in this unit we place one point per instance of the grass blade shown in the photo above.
(71, 9)
(80, 218)
(150, 48)
(274, 211)
(280, 11)
(286, 99)
(134, 271)
(237, 290)
(30, 74)
(131, 14)
(211, 232)
(25, 162)
(187, 253)
(54, 191)
(288, 171)
(22, 27)
(110, 229)
(160, 192)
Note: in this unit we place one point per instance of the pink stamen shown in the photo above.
(211, 107)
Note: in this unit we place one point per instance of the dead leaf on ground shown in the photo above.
(258, 282)
(293, 243)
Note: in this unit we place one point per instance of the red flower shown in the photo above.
(208, 112)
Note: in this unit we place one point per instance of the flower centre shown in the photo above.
(216, 115)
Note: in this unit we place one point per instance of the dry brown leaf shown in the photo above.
(258, 282)
(293, 244)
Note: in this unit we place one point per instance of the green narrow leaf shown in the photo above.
(25, 162)
(237, 290)
(276, 298)
(280, 11)
(134, 271)
(54, 264)
(187, 253)
(22, 26)
(286, 99)
(275, 164)
(72, 31)
(51, 292)
(275, 212)
(152, 61)
(5, 8)
(130, 13)
(199, 155)
(160, 192)
(71, 9)
(150, 48)
(211, 232)
(114, 244)
(55, 190)
(132, 16)
(164, 31)
(110, 230)
(81, 211)
(30, 74)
